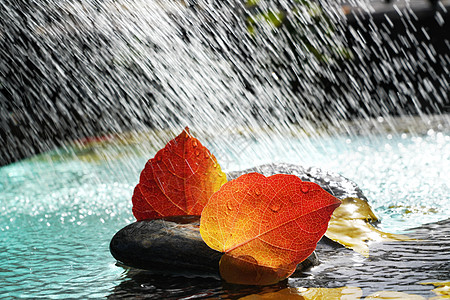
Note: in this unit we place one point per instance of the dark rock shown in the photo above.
(174, 245)
(165, 245)
(333, 183)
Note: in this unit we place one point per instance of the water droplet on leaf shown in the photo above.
(275, 207)
(257, 191)
(305, 189)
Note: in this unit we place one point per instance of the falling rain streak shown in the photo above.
(71, 69)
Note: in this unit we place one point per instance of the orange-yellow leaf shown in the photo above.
(178, 181)
(347, 293)
(350, 227)
(265, 225)
(442, 289)
(394, 295)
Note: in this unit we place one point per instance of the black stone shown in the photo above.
(333, 183)
(165, 245)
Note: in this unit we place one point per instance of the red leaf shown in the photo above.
(265, 225)
(178, 181)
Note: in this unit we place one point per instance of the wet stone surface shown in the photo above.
(333, 183)
(169, 246)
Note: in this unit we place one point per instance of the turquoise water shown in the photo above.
(58, 212)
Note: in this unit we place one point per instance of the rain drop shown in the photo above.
(197, 153)
(275, 207)
(194, 144)
(230, 205)
(305, 189)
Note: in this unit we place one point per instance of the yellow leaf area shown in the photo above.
(347, 293)
(349, 226)
(442, 289)
(310, 293)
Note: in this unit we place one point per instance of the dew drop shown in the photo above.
(305, 189)
(275, 207)
(158, 158)
(257, 191)
(197, 152)
(215, 165)
(194, 144)
(229, 205)
(207, 154)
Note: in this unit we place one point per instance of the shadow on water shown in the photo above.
(391, 266)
